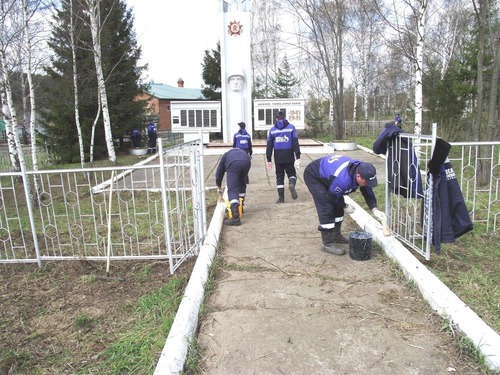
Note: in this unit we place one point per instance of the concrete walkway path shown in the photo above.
(282, 306)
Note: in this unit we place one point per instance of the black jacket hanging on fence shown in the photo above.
(407, 181)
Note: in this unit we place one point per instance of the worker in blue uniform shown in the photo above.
(283, 139)
(152, 135)
(330, 178)
(398, 120)
(236, 164)
(242, 139)
(136, 137)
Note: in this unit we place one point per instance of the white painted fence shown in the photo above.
(156, 210)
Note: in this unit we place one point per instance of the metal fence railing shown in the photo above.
(477, 165)
(153, 210)
(409, 192)
(363, 128)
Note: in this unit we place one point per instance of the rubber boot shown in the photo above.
(281, 195)
(328, 245)
(291, 185)
(337, 235)
(235, 215)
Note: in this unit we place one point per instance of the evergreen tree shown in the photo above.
(446, 100)
(285, 81)
(258, 89)
(211, 74)
(120, 56)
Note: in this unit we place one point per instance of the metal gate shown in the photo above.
(408, 195)
(151, 210)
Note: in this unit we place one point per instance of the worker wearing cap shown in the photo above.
(152, 135)
(398, 120)
(283, 139)
(330, 178)
(242, 139)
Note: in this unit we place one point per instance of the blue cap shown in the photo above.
(368, 172)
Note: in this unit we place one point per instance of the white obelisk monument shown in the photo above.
(236, 69)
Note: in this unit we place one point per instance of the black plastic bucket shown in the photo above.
(360, 245)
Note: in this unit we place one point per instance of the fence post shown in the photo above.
(164, 201)
(428, 228)
(202, 180)
(196, 188)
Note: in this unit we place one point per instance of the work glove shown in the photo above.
(220, 192)
(269, 165)
(297, 165)
(379, 215)
(349, 209)
(383, 220)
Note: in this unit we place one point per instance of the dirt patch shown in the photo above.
(57, 318)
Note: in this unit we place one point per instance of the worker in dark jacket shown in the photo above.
(236, 163)
(242, 139)
(152, 135)
(136, 137)
(283, 139)
(405, 180)
(329, 179)
(398, 120)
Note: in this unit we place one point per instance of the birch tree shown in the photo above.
(7, 37)
(420, 11)
(94, 124)
(32, 98)
(93, 8)
(408, 19)
(72, 36)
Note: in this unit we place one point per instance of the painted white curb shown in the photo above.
(183, 329)
(438, 295)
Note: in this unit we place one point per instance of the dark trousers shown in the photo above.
(151, 144)
(237, 174)
(329, 212)
(281, 169)
(136, 141)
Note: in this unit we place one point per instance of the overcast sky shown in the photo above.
(174, 35)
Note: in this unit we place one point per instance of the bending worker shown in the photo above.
(329, 179)
(236, 163)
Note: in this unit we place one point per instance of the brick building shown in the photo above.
(159, 97)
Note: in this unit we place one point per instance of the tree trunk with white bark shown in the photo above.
(94, 14)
